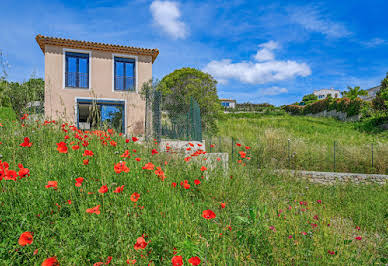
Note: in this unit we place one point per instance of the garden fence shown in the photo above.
(334, 156)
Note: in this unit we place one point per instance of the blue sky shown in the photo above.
(259, 51)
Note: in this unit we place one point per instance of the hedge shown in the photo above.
(344, 105)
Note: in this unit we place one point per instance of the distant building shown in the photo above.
(371, 93)
(324, 93)
(228, 103)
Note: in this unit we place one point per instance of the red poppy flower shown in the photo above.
(51, 262)
(177, 261)
(140, 243)
(331, 252)
(197, 182)
(85, 162)
(35, 252)
(242, 154)
(187, 159)
(238, 144)
(247, 147)
(212, 145)
(134, 139)
(26, 142)
(191, 144)
(131, 261)
(148, 166)
(126, 154)
(103, 189)
(119, 189)
(186, 185)
(223, 205)
(10, 174)
(358, 238)
(126, 140)
(25, 239)
(138, 159)
(208, 214)
(194, 260)
(121, 167)
(304, 233)
(154, 151)
(113, 143)
(23, 172)
(272, 228)
(24, 116)
(52, 184)
(173, 184)
(88, 153)
(69, 202)
(62, 147)
(319, 201)
(203, 168)
(75, 147)
(135, 196)
(79, 181)
(358, 228)
(95, 210)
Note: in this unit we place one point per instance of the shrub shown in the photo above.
(7, 113)
(293, 109)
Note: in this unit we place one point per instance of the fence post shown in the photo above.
(289, 154)
(334, 157)
(372, 154)
(232, 147)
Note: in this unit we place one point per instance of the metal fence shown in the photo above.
(172, 121)
(335, 156)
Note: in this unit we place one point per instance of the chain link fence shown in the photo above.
(180, 121)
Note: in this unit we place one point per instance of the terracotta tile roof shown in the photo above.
(44, 40)
(227, 100)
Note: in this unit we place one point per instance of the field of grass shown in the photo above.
(260, 218)
(300, 142)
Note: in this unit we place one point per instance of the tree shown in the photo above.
(22, 93)
(380, 103)
(310, 97)
(182, 84)
(353, 93)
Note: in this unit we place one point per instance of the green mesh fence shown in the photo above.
(172, 120)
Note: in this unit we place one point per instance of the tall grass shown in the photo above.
(298, 142)
(267, 219)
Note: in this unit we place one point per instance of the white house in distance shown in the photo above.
(371, 93)
(228, 103)
(324, 93)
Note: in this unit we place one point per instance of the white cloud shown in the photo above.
(374, 42)
(313, 19)
(270, 70)
(273, 91)
(167, 15)
(266, 53)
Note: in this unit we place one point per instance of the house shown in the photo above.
(92, 84)
(228, 103)
(371, 93)
(324, 93)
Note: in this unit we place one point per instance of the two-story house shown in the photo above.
(324, 93)
(89, 83)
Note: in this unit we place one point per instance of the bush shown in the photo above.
(7, 113)
(293, 109)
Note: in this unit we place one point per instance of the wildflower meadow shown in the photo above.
(72, 197)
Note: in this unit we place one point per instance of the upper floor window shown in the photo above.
(77, 70)
(124, 74)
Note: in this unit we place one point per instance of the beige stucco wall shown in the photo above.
(60, 101)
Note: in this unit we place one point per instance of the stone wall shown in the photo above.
(330, 178)
(334, 113)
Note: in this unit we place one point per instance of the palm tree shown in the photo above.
(353, 93)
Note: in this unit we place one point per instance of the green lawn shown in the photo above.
(309, 142)
(267, 219)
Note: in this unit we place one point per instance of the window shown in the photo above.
(124, 74)
(225, 104)
(77, 70)
(104, 114)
